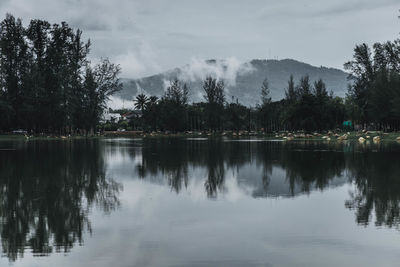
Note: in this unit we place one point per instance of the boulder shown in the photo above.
(376, 139)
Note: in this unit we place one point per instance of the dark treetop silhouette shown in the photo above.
(47, 83)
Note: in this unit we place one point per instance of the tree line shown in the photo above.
(47, 83)
(372, 101)
(374, 96)
(306, 106)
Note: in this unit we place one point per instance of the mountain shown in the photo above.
(243, 81)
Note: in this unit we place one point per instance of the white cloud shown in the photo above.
(138, 63)
(116, 102)
(226, 70)
(148, 36)
(166, 84)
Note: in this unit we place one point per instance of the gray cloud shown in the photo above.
(357, 6)
(149, 36)
(309, 9)
(86, 24)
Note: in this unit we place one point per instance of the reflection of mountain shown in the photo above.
(47, 189)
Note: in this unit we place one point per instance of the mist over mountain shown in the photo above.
(243, 80)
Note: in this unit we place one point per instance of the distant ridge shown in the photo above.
(243, 80)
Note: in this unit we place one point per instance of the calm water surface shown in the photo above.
(199, 202)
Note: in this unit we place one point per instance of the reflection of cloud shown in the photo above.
(226, 70)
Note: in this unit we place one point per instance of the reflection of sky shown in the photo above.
(122, 162)
(156, 226)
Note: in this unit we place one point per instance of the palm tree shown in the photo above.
(151, 101)
(140, 102)
(151, 112)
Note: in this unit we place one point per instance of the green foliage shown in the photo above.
(47, 84)
(237, 117)
(374, 93)
(307, 107)
(215, 99)
(150, 113)
(140, 102)
(46, 81)
(265, 93)
(173, 107)
(310, 107)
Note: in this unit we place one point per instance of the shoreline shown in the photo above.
(284, 136)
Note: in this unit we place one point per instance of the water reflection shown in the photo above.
(47, 189)
(287, 169)
(377, 192)
(306, 166)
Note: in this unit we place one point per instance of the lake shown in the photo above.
(199, 202)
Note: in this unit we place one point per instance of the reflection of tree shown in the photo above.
(311, 166)
(307, 166)
(305, 169)
(377, 181)
(167, 157)
(216, 170)
(47, 189)
(173, 157)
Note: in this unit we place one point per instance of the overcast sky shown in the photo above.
(149, 36)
